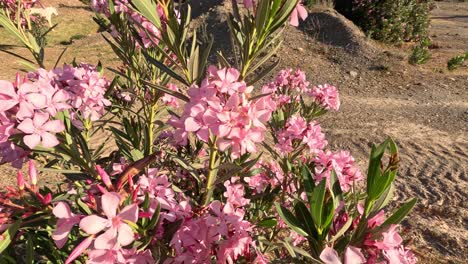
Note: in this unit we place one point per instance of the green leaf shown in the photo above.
(148, 9)
(8, 235)
(83, 206)
(268, 223)
(165, 69)
(290, 220)
(384, 199)
(29, 250)
(401, 213)
(342, 231)
(316, 203)
(303, 216)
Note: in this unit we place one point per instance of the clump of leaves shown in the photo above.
(457, 61)
(421, 53)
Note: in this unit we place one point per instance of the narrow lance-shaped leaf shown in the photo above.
(289, 219)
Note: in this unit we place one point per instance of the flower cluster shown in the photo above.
(29, 108)
(271, 174)
(12, 7)
(220, 231)
(222, 107)
(148, 32)
(326, 96)
(342, 163)
(298, 131)
(82, 86)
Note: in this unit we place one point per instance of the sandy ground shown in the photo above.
(425, 108)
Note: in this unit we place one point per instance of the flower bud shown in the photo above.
(104, 176)
(20, 180)
(32, 173)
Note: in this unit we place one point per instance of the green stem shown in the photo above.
(211, 174)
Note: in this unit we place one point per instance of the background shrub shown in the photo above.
(391, 21)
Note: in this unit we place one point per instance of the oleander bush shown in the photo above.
(390, 21)
(210, 163)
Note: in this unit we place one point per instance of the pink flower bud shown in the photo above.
(20, 180)
(45, 200)
(32, 173)
(104, 176)
(101, 189)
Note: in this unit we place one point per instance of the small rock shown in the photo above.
(353, 74)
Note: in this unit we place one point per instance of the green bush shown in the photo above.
(457, 61)
(421, 54)
(390, 21)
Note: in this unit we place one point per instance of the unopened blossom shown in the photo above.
(40, 130)
(117, 231)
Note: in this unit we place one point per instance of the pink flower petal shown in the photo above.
(26, 126)
(130, 213)
(32, 141)
(60, 235)
(110, 203)
(54, 126)
(93, 224)
(191, 125)
(62, 210)
(126, 235)
(353, 255)
(6, 88)
(49, 140)
(330, 256)
(106, 240)
(40, 119)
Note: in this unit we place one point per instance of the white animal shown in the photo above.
(46, 13)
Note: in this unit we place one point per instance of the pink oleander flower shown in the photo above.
(171, 100)
(342, 163)
(270, 175)
(235, 193)
(66, 221)
(391, 239)
(326, 96)
(27, 98)
(297, 131)
(81, 88)
(400, 255)
(221, 107)
(220, 232)
(39, 130)
(117, 231)
(352, 255)
(160, 192)
(298, 12)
